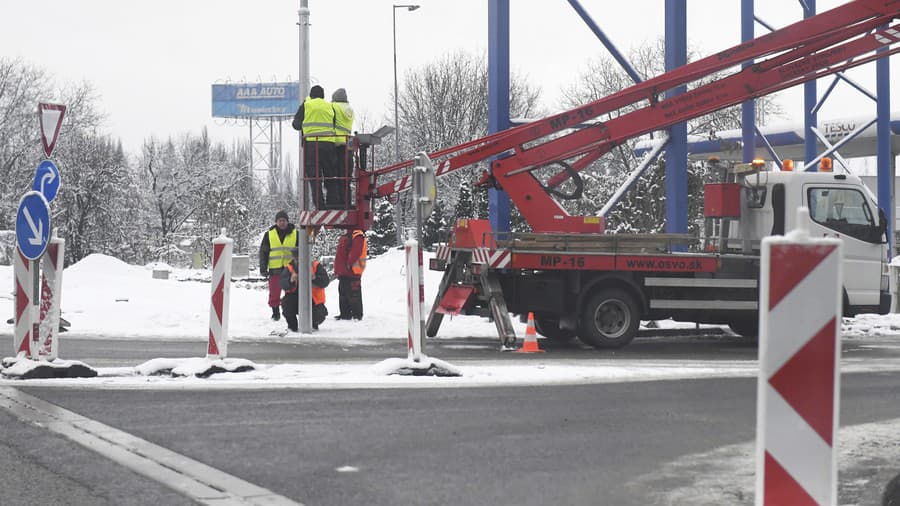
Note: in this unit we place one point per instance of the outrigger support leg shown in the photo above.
(434, 317)
(494, 293)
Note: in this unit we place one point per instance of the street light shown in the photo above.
(398, 212)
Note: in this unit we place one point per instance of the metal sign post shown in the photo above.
(32, 237)
(425, 190)
(33, 217)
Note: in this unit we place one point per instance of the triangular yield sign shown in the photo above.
(51, 117)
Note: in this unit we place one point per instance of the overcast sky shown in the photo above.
(152, 63)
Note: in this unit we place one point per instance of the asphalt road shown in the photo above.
(652, 345)
(536, 445)
(587, 444)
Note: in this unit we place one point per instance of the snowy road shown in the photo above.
(660, 442)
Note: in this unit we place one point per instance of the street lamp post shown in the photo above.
(398, 211)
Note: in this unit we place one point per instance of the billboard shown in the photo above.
(259, 100)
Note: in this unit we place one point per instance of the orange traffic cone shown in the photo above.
(530, 345)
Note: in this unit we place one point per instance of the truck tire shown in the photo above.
(748, 327)
(549, 328)
(610, 319)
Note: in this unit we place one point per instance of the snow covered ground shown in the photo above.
(105, 298)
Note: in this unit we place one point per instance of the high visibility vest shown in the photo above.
(318, 293)
(318, 119)
(280, 253)
(343, 122)
(360, 264)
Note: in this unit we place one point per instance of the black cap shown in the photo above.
(316, 92)
(281, 214)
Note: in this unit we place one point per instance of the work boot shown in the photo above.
(276, 315)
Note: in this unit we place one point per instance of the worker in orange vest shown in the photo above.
(349, 264)
(290, 301)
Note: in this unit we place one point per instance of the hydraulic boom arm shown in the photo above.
(830, 42)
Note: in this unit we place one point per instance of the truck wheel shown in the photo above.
(549, 328)
(748, 327)
(610, 319)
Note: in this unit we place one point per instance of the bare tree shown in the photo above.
(97, 207)
(22, 86)
(445, 103)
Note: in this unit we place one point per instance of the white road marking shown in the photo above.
(196, 480)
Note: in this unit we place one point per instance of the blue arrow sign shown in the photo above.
(33, 225)
(47, 180)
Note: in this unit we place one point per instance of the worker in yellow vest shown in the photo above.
(343, 127)
(290, 303)
(275, 254)
(315, 120)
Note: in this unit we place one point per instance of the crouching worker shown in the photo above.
(291, 301)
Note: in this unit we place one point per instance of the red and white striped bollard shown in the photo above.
(219, 303)
(51, 297)
(22, 312)
(415, 298)
(799, 378)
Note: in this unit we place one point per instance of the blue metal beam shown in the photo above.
(810, 117)
(613, 50)
(886, 166)
(676, 152)
(748, 108)
(498, 98)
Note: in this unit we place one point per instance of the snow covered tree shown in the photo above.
(383, 234)
(22, 86)
(101, 212)
(465, 204)
(436, 228)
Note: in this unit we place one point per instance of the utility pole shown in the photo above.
(304, 287)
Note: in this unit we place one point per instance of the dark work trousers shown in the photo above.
(318, 165)
(343, 171)
(289, 306)
(350, 297)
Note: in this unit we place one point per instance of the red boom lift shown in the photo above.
(830, 42)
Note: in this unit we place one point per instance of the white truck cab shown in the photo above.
(841, 206)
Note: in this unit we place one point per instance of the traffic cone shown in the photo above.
(530, 345)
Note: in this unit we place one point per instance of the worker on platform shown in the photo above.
(343, 127)
(275, 254)
(290, 303)
(315, 120)
(349, 264)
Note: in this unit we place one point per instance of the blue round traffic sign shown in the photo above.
(33, 225)
(46, 180)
